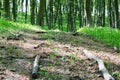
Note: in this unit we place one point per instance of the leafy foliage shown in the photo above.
(107, 35)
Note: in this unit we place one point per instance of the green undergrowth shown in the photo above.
(62, 37)
(8, 26)
(109, 36)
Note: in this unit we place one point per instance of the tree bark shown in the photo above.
(0, 8)
(116, 14)
(32, 17)
(110, 13)
(103, 13)
(14, 10)
(7, 9)
(88, 13)
(40, 15)
(35, 67)
(51, 14)
(26, 6)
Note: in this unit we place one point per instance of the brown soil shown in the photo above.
(19, 66)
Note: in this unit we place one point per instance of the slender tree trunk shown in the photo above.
(22, 7)
(26, 11)
(81, 11)
(70, 16)
(7, 9)
(60, 16)
(103, 13)
(56, 11)
(0, 8)
(32, 17)
(40, 15)
(14, 9)
(109, 13)
(51, 14)
(47, 19)
(88, 13)
(116, 14)
(74, 15)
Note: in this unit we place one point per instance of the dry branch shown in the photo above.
(101, 65)
(35, 66)
(41, 32)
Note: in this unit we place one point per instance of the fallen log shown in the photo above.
(35, 67)
(101, 65)
(41, 32)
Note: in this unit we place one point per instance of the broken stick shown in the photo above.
(101, 65)
(35, 67)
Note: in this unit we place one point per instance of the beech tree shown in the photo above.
(88, 12)
(40, 14)
(63, 14)
(26, 5)
(14, 9)
(7, 9)
(33, 5)
(116, 13)
(0, 8)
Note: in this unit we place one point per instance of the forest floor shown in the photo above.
(61, 56)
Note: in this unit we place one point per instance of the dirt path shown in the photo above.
(20, 68)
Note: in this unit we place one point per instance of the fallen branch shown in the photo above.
(35, 67)
(41, 32)
(101, 65)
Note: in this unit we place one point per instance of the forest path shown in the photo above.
(33, 43)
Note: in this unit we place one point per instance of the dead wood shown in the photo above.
(41, 45)
(41, 32)
(35, 67)
(101, 65)
(75, 34)
(15, 36)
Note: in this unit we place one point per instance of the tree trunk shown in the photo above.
(116, 14)
(103, 13)
(26, 5)
(101, 65)
(35, 67)
(14, 10)
(88, 13)
(60, 16)
(51, 14)
(0, 8)
(109, 13)
(33, 4)
(22, 7)
(70, 12)
(7, 9)
(74, 15)
(81, 11)
(40, 14)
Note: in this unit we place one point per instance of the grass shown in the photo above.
(107, 35)
(8, 26)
